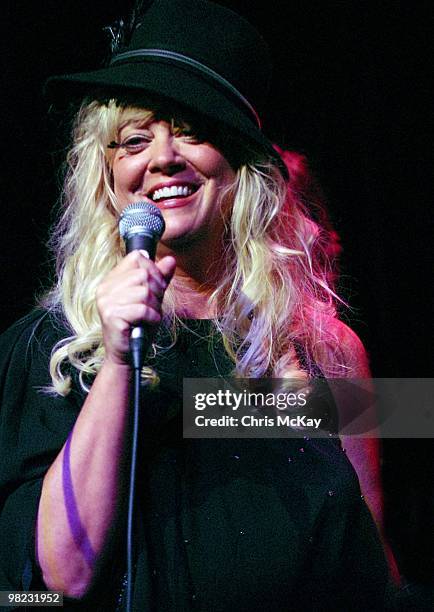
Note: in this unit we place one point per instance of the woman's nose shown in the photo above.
(164, 155)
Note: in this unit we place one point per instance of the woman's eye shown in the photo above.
(187, 133)
(136, 143)
(190, 136)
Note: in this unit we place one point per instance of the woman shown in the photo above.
(239, 285)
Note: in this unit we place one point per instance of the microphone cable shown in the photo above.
(131, 494)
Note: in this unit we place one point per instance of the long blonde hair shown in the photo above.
(275, 294)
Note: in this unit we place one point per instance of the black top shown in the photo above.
(224, 524)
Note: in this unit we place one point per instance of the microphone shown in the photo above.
(141, 226)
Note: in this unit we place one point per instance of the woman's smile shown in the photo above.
(174, 194)
(172, 190)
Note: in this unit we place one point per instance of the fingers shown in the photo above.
(141, 294)
(142, 277)
(167, 267)
(131, 294)
(158, 272)
(136, 314)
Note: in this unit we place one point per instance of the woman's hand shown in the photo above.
(131, 294)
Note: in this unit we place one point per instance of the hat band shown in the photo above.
(178, 57)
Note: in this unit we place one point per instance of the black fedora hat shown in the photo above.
(196, 53)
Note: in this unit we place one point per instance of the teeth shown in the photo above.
(171, 192)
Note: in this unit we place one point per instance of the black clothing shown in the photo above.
(224, 524)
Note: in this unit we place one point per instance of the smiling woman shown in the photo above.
(175, 170)
(241, 285)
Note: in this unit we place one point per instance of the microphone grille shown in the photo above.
(141, 216)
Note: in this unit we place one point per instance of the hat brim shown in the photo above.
(169, 81)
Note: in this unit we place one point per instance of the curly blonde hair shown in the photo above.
(275, 294)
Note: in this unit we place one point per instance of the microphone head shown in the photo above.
(141, 218)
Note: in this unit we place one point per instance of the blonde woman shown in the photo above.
(242, 285)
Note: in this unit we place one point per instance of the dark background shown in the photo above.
(349, 91)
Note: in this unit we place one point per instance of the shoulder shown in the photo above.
(29, 414)
(18, 336)
(353, 350)
(32, 336)
(348, 350)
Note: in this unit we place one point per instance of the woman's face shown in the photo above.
(176, 170)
